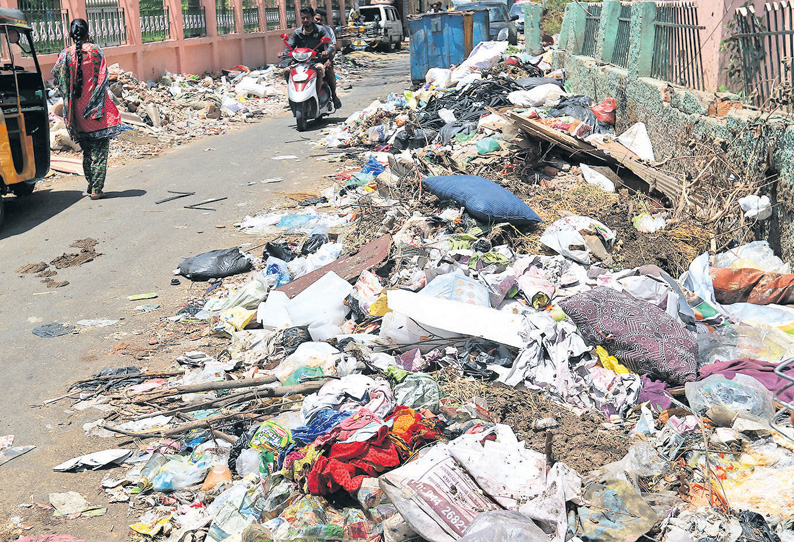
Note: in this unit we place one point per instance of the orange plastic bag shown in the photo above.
(605, 112)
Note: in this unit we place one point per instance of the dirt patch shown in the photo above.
(581, 442)
(672, 248)
(86, 244)
(49, 283)
(87, 254)
(33, 268)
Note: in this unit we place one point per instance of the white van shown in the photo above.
(379, 26)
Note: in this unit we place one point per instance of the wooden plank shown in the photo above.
(63, 164)
(349, 267)
(611, 151)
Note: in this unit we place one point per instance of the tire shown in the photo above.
(301, 116)
(23, 189)
(398, 45)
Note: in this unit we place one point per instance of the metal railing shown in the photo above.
(106, 22)
(592, 22)
(155, 24)
(620, 55)
(250, 19)
(676, 45)
(273, 18)
(766, 44)
(224, 17)
(292, 17)
(194, 20)
(49, 23)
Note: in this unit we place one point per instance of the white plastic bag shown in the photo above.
(742, 394)
(756, 208)
(439, 77)
(541, 96)
(637, 141)
(249, 86)
(648, 223)
(310, 355)
(755, 255)
(321, 303)
(596, 178)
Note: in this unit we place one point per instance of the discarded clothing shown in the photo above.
(752, 286)
(643, 337)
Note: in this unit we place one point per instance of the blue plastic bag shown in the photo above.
(373, 166)
(484, 200)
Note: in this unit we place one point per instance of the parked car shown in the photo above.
(499, 18)
(377, 26)
(518, 9)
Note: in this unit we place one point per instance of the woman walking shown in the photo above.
(90, 114)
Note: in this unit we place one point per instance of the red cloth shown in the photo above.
(348, 464)
(763, 371)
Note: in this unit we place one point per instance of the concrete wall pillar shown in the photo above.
(532, 15)
(607, 30)
(212, 30)
(177, 33)
(572, 30)
(76, 8)
(643, 14)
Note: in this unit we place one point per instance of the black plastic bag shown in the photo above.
(293, 337)
(578, 107)
(215, 264)
(484, 352)
(355, 308)
(420, 138)
(313, 243)
(454, 128)
(241, 444)
(481, 245)
(755, 528)
(281, 250)
(313, 201)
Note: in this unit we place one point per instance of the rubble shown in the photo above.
(449, 344)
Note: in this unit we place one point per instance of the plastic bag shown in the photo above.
(281, 250)
(578, 107)
(647, 223)
(276, 272)
(487, 144)
(754, 207)
(504, 526)
(637, 141)
(756, 255)
(373, 167)
(377, 133)
(742, 394)
(309, 356)
(596, 178)
(460, 288)
(541, 96)
(439, 77)
(605, 112)
(313, 243)
(247, 297)
(215, 264)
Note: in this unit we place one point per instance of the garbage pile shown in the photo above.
(416, 356)
(178, 108)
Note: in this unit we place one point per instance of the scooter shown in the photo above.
(306, 105)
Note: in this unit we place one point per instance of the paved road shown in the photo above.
(140, 244)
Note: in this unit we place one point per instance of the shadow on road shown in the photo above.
(24, 214)
(135, 193)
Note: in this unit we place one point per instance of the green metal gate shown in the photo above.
(50, 24)
(107, 22)
(676, 45)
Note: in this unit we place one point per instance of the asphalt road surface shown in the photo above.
(141, 243)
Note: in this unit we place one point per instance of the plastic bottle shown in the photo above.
(218, 475)
(150, 470)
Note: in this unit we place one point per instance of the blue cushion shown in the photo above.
(484, 200)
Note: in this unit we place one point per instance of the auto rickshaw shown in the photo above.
(24, 119)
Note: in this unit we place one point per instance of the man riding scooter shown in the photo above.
(308, 36)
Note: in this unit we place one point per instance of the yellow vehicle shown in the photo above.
(24, 121)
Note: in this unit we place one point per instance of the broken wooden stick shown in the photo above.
(208, 386)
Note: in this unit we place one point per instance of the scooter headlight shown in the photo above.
(302, 56)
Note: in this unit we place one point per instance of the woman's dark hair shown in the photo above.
(78, 31)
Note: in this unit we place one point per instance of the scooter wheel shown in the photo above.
(301, 116)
